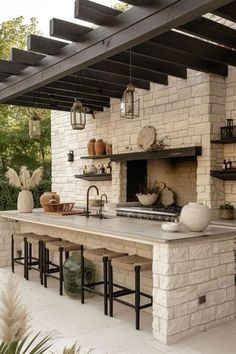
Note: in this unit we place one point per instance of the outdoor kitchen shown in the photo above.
(177, 152)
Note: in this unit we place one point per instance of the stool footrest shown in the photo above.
(122, 292)
(52, 270)
(94, 291)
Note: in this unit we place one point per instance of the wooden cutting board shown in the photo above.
(62, 213)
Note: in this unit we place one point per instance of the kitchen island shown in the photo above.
(192, 280)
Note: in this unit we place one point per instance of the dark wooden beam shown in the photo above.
(212, 31)
(64, 86)
(54, 93)
(25, 57)
(43, 97)
(17, 102)
(100, 74)
(135, 26)
(49, 105)
(227, 11)
(44, 45)
(152, 64)
(67, 30)
(169, 55)
(3, 76)
(9, 67)
(194, 46)
(95, 13)
(124, 70)
(85, 80)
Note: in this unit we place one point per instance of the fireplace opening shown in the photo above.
(136, 176)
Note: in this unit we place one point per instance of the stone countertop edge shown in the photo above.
(140, 231)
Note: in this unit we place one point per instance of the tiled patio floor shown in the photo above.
(85, 324)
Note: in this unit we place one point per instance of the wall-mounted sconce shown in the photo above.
(70, 156)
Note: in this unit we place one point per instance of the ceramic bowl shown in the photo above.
(170, 226)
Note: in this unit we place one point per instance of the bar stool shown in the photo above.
(21, 259)
(36, 263)
(99, 255)
(63, 247)
(130, 263)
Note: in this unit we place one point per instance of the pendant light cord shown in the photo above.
(130, 66)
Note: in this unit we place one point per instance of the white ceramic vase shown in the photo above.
(25, 203)
(196, 216)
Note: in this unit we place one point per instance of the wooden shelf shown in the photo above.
(225, 175)
(95, 157)
(95, 177)
(186, 152)
(224, 141)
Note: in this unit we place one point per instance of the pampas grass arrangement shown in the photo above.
(24, 181)
(14, 327)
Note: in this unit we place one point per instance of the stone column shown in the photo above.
(193, 286)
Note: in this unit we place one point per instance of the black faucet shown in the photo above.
(87, 206)
(101, 204)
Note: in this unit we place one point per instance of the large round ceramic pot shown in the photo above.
(47, 197)
(196, 216)
(147, 199)
(25, 203)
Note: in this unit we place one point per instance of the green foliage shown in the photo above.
(148, 188)
(121, 7)
(227, 206)
(9, 194)
(16, 148)
(23, 347)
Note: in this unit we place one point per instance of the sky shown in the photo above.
(43, 10)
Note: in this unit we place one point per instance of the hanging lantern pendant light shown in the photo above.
(129, 106)
(35, 126)
(78, 115)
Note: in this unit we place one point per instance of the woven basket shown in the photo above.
(60, 207)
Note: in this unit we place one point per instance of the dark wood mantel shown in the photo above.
(185, 152)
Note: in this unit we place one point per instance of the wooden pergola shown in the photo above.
(166, 37)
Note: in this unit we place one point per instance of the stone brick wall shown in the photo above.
(189, 112)
(182, 273)
(7, 228)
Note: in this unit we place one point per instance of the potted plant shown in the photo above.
(148, 194)
(227, 211)
(24, 181)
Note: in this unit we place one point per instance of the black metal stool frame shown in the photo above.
(104, 282)
(113, 295)
(48, 272)
(20, 259)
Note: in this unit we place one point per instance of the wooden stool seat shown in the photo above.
(66, 245)
(21, 259)
(98, 254)
(130, 262)
(34, 239)
(101, 255)
(137, 264)
(63, 248)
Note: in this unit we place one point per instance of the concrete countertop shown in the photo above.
(224, 223)
(135, 230)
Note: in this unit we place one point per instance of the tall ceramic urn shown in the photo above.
(196, 216)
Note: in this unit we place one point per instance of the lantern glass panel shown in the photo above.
(35, 126)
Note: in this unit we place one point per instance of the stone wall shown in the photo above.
(183, 111)
(7, 228)
(182, 273)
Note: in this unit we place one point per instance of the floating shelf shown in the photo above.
(224, 141)
(225, 175)
(95, 157)
(95, 177)
(186, 152)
